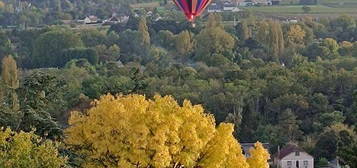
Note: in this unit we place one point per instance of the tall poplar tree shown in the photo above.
(9, 76)
(144, 33)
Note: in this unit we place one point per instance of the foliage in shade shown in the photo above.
(48, 48)
(79, 53)
(41, 93)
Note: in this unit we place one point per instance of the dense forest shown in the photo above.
(276, 82)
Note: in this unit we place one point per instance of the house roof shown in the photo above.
(290, 148)
(260, 1)
(92, 18)
(215, 6)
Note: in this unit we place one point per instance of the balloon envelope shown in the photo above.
(192, 8)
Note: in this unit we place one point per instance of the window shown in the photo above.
(306, 163)
(289, 163)
(297, 164)
(297, 153)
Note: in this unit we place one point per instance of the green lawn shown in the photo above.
(145, 5)
(297, 9)
(337, 1)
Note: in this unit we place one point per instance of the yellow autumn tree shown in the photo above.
(2, 5)
(223, 150)
(259, 156)
(9, 73)
(144, 33)
(132, 131)
(9, 77)
(27, 150)
(296, 35)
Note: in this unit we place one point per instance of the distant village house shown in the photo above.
(89, 20)
(291, 156)
(116, 19)
(226, 6)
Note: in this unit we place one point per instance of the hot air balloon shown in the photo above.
(192, 8)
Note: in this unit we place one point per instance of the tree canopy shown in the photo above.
(132, 131)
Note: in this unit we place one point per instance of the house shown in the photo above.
(275, 2)
(291, 156)
(116, 19)
(245, 4)
(230, 6)
(90, 20)
(226, 6)
(215, 8)
(262, 2)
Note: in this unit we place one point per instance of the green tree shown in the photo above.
(92, 37)
(96, 86)
(184, 44)
(214, 44)
(334, 138)
(41, 96)
(78, 53)
(107, 54)
(343, 23)
(5, 45)
(270, 34)
(329, 119)
(348, 154)
(27, 150)
(289, 126)
(48, 48)
(130, 45)
(165, 39)
(346, 48)
(276, 45)
(243, 30)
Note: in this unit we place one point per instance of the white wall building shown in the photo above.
(293, 157)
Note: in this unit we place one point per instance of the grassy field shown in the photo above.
(297, 9)
(146, 5)
(337, 1)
